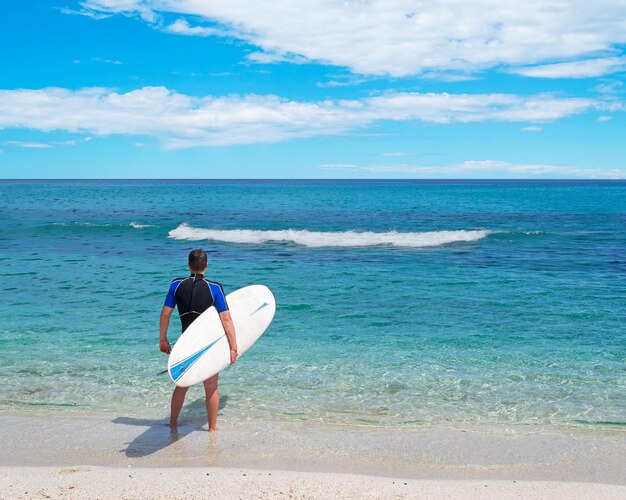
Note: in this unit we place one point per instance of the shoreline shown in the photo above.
(442, 453)
(194, 413)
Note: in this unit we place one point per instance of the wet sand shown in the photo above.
(132, 457)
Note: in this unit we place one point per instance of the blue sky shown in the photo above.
(312, 89)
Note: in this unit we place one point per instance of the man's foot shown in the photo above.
(174, 436)
(212, 429)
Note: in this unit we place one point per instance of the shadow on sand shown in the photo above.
(158, 434)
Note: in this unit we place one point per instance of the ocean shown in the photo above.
(399, 303)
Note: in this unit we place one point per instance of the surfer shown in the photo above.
(193, 295)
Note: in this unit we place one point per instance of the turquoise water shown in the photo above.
(419, 302)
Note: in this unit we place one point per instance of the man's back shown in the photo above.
(193, 295)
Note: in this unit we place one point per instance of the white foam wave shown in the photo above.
(328, 239)
(139, 226)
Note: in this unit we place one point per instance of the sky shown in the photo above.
(312, 89)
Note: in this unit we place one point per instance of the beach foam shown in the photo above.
(328, 238)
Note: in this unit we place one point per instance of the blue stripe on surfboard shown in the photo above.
(265, 304)
(181, 367)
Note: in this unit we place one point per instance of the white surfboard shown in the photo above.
(203, 349)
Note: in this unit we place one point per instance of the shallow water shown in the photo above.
(453, 302)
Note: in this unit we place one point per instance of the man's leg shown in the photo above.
(178, 398)
(212, 401)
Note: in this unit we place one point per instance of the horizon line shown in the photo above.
(438, 179)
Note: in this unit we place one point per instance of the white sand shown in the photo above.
(226, 483)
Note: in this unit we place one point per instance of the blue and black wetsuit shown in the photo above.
(194, 295)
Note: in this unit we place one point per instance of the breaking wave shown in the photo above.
(327, 238)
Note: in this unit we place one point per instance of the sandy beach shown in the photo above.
(203, 482)
(94, 457)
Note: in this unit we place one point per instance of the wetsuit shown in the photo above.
(194, 295)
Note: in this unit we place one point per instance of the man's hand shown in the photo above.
(229, 330)
(165, 346)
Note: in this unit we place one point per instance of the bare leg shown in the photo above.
(178, 398)
(212, 401)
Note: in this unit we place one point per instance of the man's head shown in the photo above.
(197, 261)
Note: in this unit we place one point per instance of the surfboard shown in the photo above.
(203, 349)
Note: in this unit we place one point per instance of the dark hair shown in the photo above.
(197, 260)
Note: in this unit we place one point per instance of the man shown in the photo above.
(194, 295)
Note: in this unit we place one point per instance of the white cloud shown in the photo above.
(342, 81)
(275, 57)
(29, 145)
(532, 128)
(45, 145)
(184, 121)
(450, 77)
(100, 59)
(576, 69)
(141, 8)
(610, 87)
(71, 142)
(106, 61)
(84, 12)
(182, 27)
(487, 169)
(404, 37)
(604, 118)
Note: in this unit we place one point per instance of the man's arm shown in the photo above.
(229, 328)
(166, 314)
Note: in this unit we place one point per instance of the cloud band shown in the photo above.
(181, 120)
